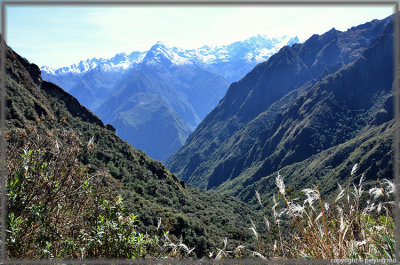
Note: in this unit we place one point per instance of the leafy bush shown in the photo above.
(56, 209)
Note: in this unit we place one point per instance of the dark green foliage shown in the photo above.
(311, 112)
(324, 118)
(57, 210)
(306, 99)
(147, 187)
(372, 151)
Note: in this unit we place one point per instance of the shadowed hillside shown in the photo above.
(305, 100)
(148, 188)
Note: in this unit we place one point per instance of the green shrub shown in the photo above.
(56, 209)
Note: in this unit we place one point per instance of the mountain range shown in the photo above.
(310, 113)
(249, 52)
(316, 113)
(149, 190)
(155, 99)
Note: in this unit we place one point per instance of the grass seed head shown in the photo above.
(280, 184)
(354, 169)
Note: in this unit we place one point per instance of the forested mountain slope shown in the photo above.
(148, 188)
(305, 99)
(159, 102)
(156, 98)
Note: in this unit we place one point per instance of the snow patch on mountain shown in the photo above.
(161, 53)
(120, 62)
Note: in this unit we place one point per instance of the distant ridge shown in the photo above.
(255, 49)
(181, 86)
(149, 190)
(306, 101)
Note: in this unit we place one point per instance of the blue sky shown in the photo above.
(57, 36)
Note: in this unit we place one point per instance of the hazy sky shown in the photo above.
(58, 35)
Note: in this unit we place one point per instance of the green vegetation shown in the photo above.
(57, 210)
(372, 150)
(76, 190)
(304, 100)
(147, 188)
(156, 106)
(356, 224)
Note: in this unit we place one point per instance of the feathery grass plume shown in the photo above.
(274, 208)
(369, 208)
(91, 142)
(297, 209)
(360, 185)
(219, 255)
(354, 169)
(171, 245)
(280, 184)
(283, 212)
(319, 216)
(386, 188)
(357, 192)
(360, 243)
(255, 253)
(342, 224)
(222, 252)
(389, 186)
(158, 224)
(361, 179)
(344, 229)
(57, 145)
(265, 217)
(358, 233)
(376, 192)
(238, 248)
(364, 238)
(312, 196)
(341, 193)
(258, 198)
(329, 243)
(277, 221)
(184, 247)
(253, 228)
(267, 223)
(379, 207)
(176, 248)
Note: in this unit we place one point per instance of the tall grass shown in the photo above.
(357, 224)
(60, 208)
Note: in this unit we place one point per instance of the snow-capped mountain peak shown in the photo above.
(119, 62)
(252, 50)
(161, 53)
(48, 69)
